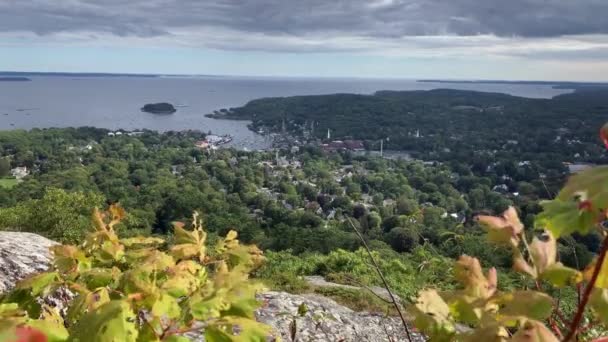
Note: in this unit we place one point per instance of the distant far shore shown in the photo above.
(14, 79)
(25, 74)
(577, 86)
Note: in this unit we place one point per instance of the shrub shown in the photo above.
(135, 290)
(524, 314)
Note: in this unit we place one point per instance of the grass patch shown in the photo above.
(8, 182)
(357, 300)
(287, 282)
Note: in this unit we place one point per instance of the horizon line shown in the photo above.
(429, 79)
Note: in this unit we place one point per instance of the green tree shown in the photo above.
(5, 167)
(59, 215)
(402, 239)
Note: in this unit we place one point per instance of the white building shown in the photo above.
(19, 172)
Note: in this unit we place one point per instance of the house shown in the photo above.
(282, 162)
(503, 188)
(19, 172)
(388, 202)
(176, 170)
(354, 145)
(202, 144)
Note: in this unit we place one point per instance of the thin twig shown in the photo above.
(371, 256)
(581, 308)
(368, 289)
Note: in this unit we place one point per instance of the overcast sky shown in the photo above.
(472, 39)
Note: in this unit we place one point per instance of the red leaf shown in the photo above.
(28, 334)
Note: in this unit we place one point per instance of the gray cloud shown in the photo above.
(380, 18)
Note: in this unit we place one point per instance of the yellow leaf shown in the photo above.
(490, 333)
(534, 331)
(469, 273)
(231, 235)
(543, 252)
(432, 314)
(602, 277)
(530, 304)
(504, 229)
(560, 275)
(599, 304)
(521, 265)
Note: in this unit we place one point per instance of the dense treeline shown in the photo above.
(299, 202)
(461, 127)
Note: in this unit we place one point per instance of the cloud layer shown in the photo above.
(524, 28)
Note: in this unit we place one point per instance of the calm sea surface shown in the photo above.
(115, 102)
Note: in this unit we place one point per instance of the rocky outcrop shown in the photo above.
(159, 108)
(325, 320)
(22, 254)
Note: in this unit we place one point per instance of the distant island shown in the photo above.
(14, 79)
(159, 108)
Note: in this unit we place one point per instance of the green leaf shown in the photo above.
(591, 183)
(176, 338)
(39, 283)
(216, 334)
(9, 309)
(208, 307)
(563, 217)
(302, 310)
(579, 204)
(559, 275)
(112, 322)
(182, 236)
(143, 241)
(100, 277)
(244, 307)
(85, 302)
(111, 252)
(189, 244)
(166, 306)
(249, 329)
(463, 310)
(69, 259)
(137, 281)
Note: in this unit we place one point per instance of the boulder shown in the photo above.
(22, 254)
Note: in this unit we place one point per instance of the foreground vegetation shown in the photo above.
(139, 289)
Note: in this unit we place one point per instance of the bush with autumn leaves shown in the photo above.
(139, 289)
(529, 314)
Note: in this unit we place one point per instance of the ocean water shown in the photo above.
(115, 102)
